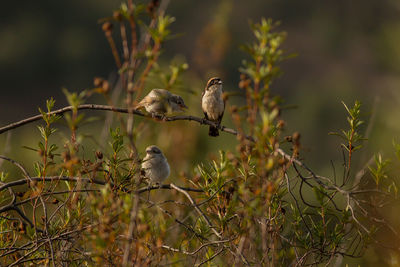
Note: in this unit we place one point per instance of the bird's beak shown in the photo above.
(220, 82)
(183, 106)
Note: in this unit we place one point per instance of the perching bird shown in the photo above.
(161, 102)
(155, 165)
(213, 104)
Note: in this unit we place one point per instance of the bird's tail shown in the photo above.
(213, 131)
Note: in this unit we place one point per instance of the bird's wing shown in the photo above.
(205, 115)
(220, 117)
(160, 93)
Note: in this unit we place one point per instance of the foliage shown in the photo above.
(255, 206)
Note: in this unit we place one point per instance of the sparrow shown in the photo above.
(155, 165)
(213, 104)
(161, 102)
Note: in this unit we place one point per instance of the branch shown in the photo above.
(167, 186)
(122, 110)
(197, 209)
(198, 249)
(88, 180)
(62, 111)
(51, 178)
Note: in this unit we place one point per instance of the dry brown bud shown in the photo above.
(22, 228)
(54, 201)
(98, 81)
(234, 109)
(117, 15)
(130, 87)
(244, 84)
(106, 86)
(107, 26)
(20, 194)
(151, 7)
(296, 136)
(281, 124)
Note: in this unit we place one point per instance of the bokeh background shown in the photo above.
(346, 51)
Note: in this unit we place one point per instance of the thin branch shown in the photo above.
(197, 209)
(212, 257)
(51, 178)
(166, 186)
(122, 110)
(198, 249)
(19, 165)
(63, 110)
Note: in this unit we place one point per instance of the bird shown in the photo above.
(155, 166)
(161, 102)
(213, 104)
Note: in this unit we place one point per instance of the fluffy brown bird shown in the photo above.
(161, 102)
(213, 104)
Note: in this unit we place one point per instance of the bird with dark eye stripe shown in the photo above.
(213, 104)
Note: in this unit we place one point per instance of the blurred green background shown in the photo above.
(347, 50)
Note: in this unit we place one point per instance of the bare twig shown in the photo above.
(199, 248)
(131, 228)
(201, 213)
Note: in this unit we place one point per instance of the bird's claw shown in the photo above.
(158, 116)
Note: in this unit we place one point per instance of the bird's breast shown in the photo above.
(213, 104)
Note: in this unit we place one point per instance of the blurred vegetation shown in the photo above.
(346, 51)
